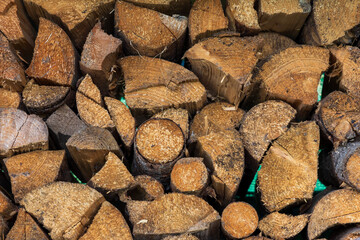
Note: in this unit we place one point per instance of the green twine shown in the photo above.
(76, 178)
(320, 87)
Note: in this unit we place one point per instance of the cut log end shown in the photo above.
(179, 116)
(9, 99)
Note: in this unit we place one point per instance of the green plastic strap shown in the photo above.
(122, 99)
(320, 87)
(76, 178)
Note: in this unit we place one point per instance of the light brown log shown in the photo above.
(288, 172)
(89, 146)
(149, 33)
(20, 132)
(224, 65)
(55, 60)
(64, 209)
(181, 237)
(99, 56)
(76, 19)
(239, 220)
(168, 7)
(29, 171)
(179, 116)
(7, 208)
(206, 17)
(166, 85)
(9, 99)
(146, 188)
(25, 228)
(109, 224)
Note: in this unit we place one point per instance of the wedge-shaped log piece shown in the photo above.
(146, 188)
(20, 132)
(264, 123)
(176, 213)
(338, 117)
(243, 16)
(15, 25)
(63, 208)
(223, 154)
(113, 177)
(7, 208)
(166, 85)
(332, 21)
(12, 75)
(9, 99)
(179, 116)
(185, 236)
(89, 146)
(206, 17)
(289, 170)
(123, 120)
(29, 171)
(338, 207)
(25, 228)
(281, 226)
(224, 65)
(55, 60)
(168, 7)
(76, 19)
(40, 99)
(108, 224)
(293, 76)
(286, 17)
(150, 33)
(99, 56)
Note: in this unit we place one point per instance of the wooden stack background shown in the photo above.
(218, 93)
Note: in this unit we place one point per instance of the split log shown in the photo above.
(347, 234)
(149, 33)
(89, 146)
(243, 16)
(9, 99)
(264, 123)
(223, 154)
(12, 75)
(159, 144)
(281, 226)
(338, 117)
(3, 227)
(55, 60)
(146, 189)
(123, 120)
(7, 208)
(239, 220)
(76, 19)
(190, 176)
(256, 238)
(339, 207)
(64, 209)
(113, 177)
(206, 17)
(179, 116)
(289, 170)
(43, 100)
(286, 17)
(293, 75)
(20, 132)
(99, 56)
(166, 85)
(332, 21)
(90, 105)
(224, 65)
(25, 228)
(181, 237)
(168, 7)
(29, 171)
(176, 213)
(108, 224)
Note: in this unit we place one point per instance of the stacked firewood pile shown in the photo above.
(149, 119)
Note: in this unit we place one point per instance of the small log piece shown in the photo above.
(168, 7)
(179, 115)
(185, 236)
(7, 208)
(9, 99)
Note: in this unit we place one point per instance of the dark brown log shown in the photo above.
(29, 171)
(146, 189)
(281, 226)
(7, 208)
(108, 224)
(64, 209)
(89, 146)
(9, 99)
(55, 60)
(3, 227)
(350, 233)
(166, 85)
(149, 33)
(25, 228)
(239, 220)
(77, 19)
(289, 170)
(185, 236)
(286, 17)
(168, 7)
(159, 144)
(179, 116)
(332, 21)
(12, 75)
(99, 57)
(21, 132)
(206, 17)
(224, 65)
